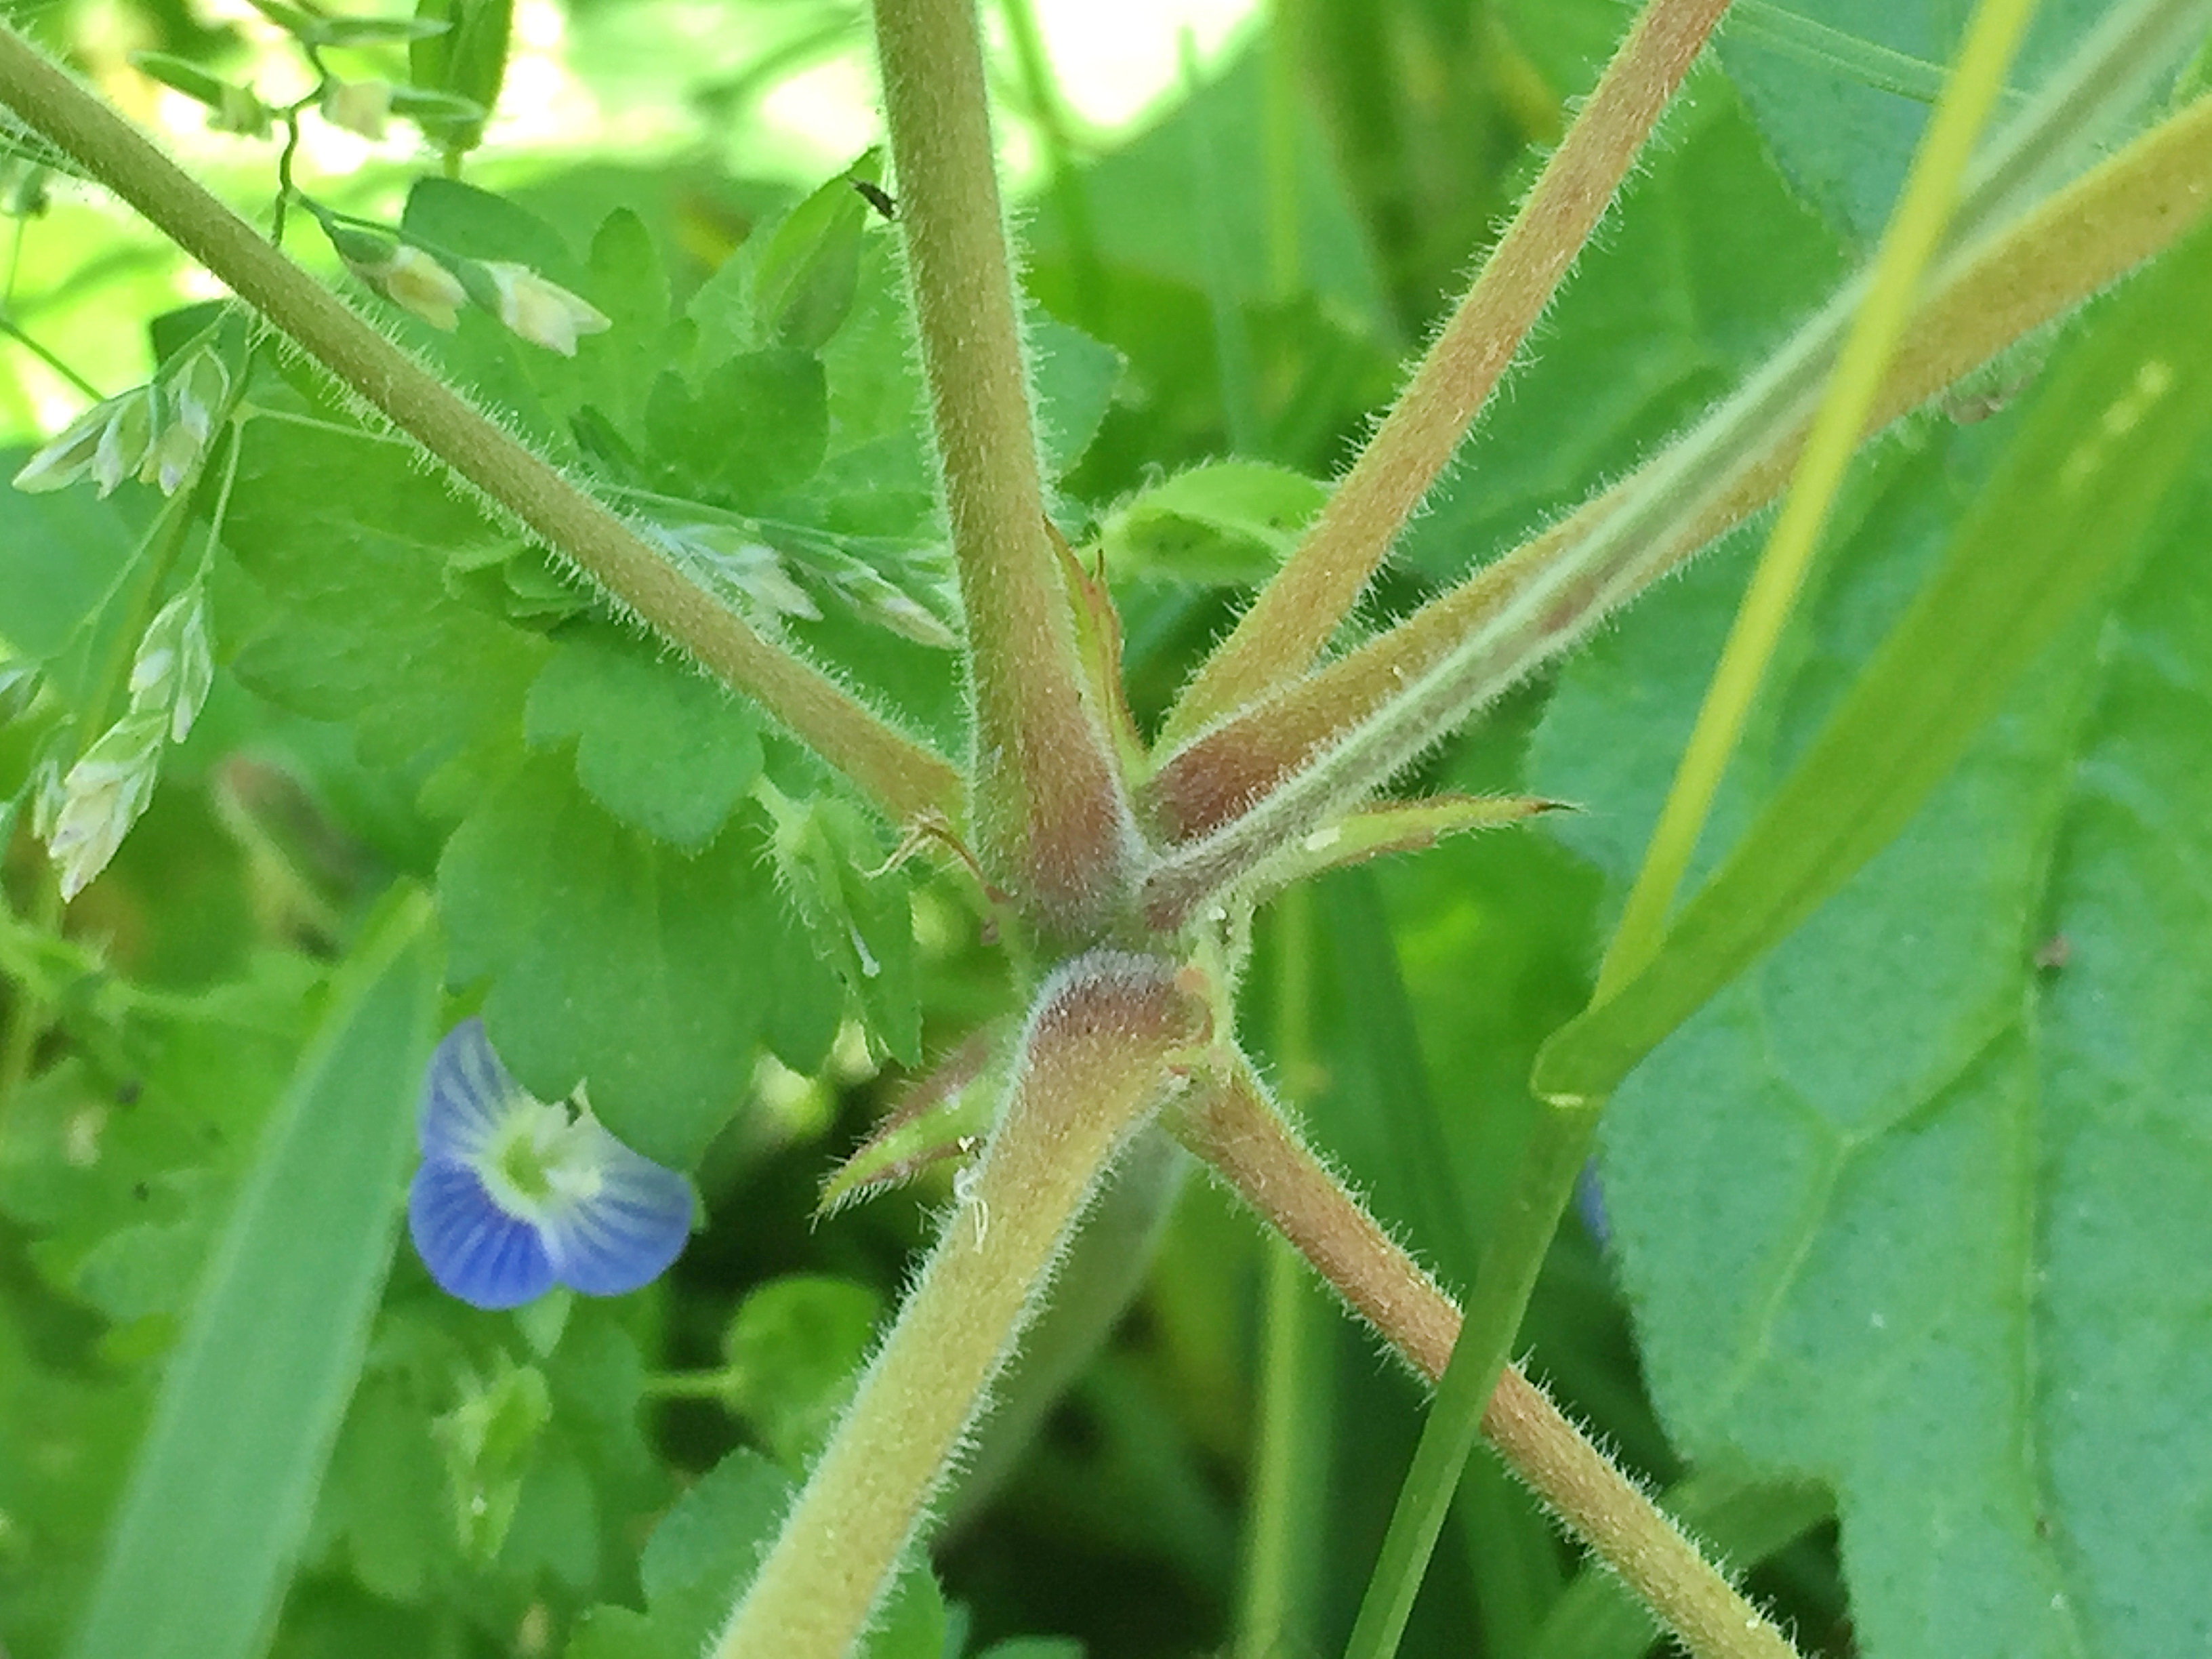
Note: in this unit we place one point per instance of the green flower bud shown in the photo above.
(544, 313)
(70, 456)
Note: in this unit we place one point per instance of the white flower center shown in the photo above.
(541, 1158)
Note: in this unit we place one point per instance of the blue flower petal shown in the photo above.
(625, 1234)
(475, 1250)
(466, 1095)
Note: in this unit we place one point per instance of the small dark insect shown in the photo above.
(877, 197)
(126, 1094)
(2054, 953)
(141, 1191)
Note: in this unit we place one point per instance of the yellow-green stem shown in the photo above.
(1303, 604)
(1854, 390)
(904, 779)
(1051, 823)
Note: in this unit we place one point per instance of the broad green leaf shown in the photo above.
(612, 959)
(220, 1498)
(629, 283)
(430, 1462)
(658, 745)
(705, 1551)
(879, 478)
(753, 428)
(348, 546)
(477, 224)
(1841, 88)
(2052, 530)
(1910, 1208)
(122, 1181)
(63, 559)
(532, 390)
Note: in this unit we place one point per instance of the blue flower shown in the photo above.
(515, 1196)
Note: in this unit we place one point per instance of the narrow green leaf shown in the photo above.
(373, 31)
(2110, 432)
(185, 75)
(221, 1497)
(425, 108)
(946, 1115)
(467, 57)
(809, 269)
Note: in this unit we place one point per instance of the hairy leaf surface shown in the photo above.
(1906, 1209)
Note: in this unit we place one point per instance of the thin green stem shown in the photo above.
(903, 778)
(1236, 1130)
(1285, 1533)
(1301, 605)
(15, 332)
(1908, 246)
(1503, 1285)
(1051, 823)
(1744, 1520)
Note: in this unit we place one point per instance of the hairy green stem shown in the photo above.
(1051, 823)
(904, 779)
(1567, 1129)
(1094, 1063)
(1237, 1131)
(1301, 605)
(1251, 784)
